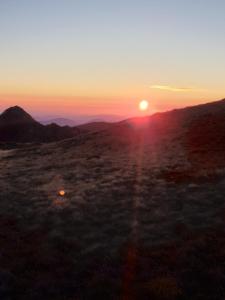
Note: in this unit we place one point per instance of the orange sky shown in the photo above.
(123, 106)
(103, 57)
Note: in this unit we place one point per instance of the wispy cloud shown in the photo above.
(173, 88)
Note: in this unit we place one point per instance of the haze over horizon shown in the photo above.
(103, 57)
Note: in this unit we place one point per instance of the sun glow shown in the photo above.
(143, 105)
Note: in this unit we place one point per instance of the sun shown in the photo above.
(143, 105)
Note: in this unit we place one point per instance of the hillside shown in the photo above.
(95, 127)
(17, 126)
(142, 216)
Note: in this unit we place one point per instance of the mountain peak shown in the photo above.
(15, 110)
(15, 114)
(17, 126)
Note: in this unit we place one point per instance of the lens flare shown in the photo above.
(62, 193)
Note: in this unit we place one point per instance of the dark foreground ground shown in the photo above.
(33, 267)
(144, 222)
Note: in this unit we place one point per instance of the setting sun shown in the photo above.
(143, 105)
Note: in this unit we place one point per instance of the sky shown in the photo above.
(73, 57)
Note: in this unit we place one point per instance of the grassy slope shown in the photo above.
(142, 217)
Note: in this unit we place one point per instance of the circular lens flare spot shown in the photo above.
(143, 105)
(62, 193)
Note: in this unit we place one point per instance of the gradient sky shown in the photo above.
(100, 56)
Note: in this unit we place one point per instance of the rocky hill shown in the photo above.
(17, 126)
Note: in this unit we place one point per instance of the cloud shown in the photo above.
(173, 88)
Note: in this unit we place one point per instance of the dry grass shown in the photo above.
(117, 193)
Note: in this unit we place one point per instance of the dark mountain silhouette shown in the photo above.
(15, 115)
(18, 126)
(209, 118)
(200, 127)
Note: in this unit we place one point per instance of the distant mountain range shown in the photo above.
(18, 126)
(200, 128)
(78, 120)
(60, 122)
